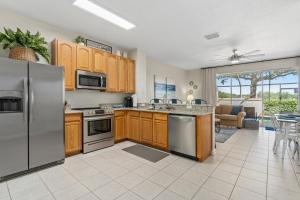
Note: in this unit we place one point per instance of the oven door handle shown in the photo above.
(96, 118)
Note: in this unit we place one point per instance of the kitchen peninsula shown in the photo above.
(150, 126)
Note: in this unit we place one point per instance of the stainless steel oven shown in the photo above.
(98, 129)
(92, 81)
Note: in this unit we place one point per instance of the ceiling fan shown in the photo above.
(236, 57)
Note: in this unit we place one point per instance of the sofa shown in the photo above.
(230, 115)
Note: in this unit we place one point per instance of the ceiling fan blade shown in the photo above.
(250, 52)
(254, 56)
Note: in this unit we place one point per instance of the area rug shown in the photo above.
(225, 134)
(147, 153)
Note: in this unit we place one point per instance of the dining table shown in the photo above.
(286, 121)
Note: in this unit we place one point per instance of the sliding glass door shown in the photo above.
(268, 92)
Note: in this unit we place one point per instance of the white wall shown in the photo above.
(176, 74)
(76, 98)
(140, 58)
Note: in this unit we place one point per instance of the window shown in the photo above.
(269, 92)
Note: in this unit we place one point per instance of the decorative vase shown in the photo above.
(81, 43)
(22, 53)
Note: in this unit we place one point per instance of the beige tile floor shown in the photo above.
(244, 167)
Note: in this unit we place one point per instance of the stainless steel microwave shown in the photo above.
(92, 81)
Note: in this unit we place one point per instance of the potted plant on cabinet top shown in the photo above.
(80, 40)
(24, 45)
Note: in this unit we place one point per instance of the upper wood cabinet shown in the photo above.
(204, 136)
(99, 61)
(120, 72)
(112, 73)
(160, 130)
(133, 123)
(120, 121)
(84, 58)
(73, 134)
(146, 127)
(130, 76)
(122, 75)
(64, 55)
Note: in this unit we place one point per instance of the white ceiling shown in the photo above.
(172, 31)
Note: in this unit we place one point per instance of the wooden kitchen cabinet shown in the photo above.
(99, 61)
(146, 123)
(73, 134)
(133, 123)
(120, 121)
(112, 73)
(64, 55)
(84, 58)
(130, 76)
(122, 75)
(204, 136)
(160, 130)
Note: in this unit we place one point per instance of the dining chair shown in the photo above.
(288, 133)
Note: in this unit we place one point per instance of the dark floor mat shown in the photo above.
(147, 153)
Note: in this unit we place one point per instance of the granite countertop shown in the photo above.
(73, 111)
(183, 112)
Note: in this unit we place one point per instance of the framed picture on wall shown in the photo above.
(160, 87)
(164, 88)
(171, 89)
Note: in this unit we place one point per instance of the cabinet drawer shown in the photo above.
(134, 113)
(160, 116)
(119, 113)
(148, 115)
(73, 117)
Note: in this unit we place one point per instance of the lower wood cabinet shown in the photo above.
(146, 127)
(120, 121)
(204, 136)
(160, 130)
(133, 123)
(73, 134)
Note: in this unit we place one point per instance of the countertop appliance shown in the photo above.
(31, 116)
(98, 132)
(92, 81)
(182, 135)
(128, 102)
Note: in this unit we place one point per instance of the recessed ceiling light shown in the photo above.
(103, 13)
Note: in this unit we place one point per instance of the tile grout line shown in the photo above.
(165, 188)
(267, 186)
(244, 161)
(46, 186)
(8, 190)
(210, 175)
(113, 180)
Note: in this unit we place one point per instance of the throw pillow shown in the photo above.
(235, 110)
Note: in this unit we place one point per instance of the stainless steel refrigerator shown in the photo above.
(31, 116)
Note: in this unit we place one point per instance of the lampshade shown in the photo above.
(190, 97)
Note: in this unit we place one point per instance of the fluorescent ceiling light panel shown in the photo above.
(103, 13)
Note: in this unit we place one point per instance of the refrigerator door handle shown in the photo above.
(25, 100)
(31, 100)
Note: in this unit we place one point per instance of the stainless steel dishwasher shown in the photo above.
(182, 135)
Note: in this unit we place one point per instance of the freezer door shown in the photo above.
(13, 117)
(46, 114)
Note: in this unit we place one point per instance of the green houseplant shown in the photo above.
(24, 45)
(80, 40)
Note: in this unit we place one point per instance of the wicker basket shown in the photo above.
(22, 53)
